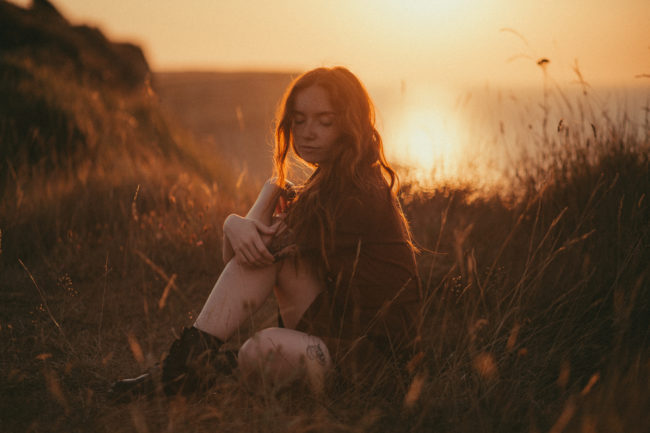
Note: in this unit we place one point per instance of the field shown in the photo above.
(537, 303)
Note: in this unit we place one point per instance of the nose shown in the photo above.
(309, 132)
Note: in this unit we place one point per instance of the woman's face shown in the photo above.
(315, 125)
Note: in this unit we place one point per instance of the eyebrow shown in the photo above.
(321, 113)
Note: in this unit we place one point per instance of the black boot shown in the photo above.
(124, 390)
(192, 364)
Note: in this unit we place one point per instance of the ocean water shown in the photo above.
(432, 133)
(484, 135)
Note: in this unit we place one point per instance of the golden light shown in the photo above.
(427, 144)
(422, 10)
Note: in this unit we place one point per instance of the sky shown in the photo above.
(418, 58)
(455, 43)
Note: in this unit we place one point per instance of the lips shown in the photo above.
(311, 154)
(308, 148)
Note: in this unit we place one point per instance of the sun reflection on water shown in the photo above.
(488, 143)
(427, 144)
(425, 141)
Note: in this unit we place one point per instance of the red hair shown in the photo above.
(360, 145)
(357, 163)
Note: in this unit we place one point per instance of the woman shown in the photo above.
(336, 251)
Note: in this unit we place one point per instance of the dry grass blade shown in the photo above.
(564, 418)
(54, 387)
(163, 299)
(134, 208)
(592, 382)
(170, 280)
(101, 311)
(414, 391)
(136, 349)
(512, 338)
(43, 299)
(516, 33)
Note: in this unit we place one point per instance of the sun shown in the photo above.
(426, 144)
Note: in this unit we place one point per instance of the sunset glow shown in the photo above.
(275, 216)
(448, 46)
(453, 42)
(424, 141)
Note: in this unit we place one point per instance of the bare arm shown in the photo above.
(262, 209)
(260, 217)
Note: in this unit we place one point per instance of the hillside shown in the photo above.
(229, 113)
(78, 115)
(70, 97)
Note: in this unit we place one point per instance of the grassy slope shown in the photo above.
(536, 312)
(231, 113)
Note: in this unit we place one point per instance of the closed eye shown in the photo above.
(326, 119)
(298, 119)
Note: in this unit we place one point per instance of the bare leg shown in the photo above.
(296, 289)
(240, 290)
(283, 355)
(279, 354)
(238, 293)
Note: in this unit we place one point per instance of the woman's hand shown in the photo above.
(245, 237)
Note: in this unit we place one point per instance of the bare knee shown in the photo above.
(284, 356)
(256, 349)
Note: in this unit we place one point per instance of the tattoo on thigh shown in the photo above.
(314, 351)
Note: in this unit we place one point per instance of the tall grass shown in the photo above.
(535, 315)
(539, 309)
(536, 302)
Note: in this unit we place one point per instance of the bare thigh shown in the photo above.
(238, 293)
(296, 288)
(241, 289)
(282, 356)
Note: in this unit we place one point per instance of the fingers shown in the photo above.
(264, 229)
(264, 256)
(255, 254)
(244, 257)
(247, 240)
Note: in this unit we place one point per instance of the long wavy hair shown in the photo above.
(357, 164)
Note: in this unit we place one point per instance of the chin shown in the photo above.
(310, 159)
